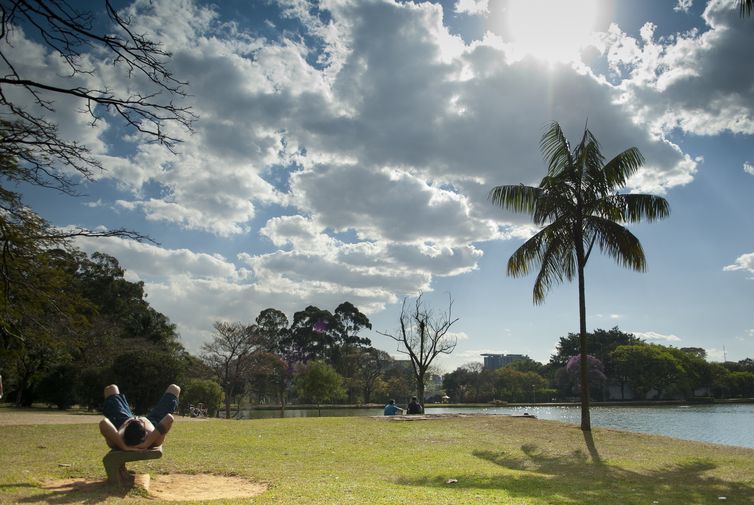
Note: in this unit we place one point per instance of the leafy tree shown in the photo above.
(314, 334)
(319, 382)
(351, 322)
(526, 364)
(745, 365)
(60, 386)
(272, 328)
(578, 206)
(466, 384)
(143, 376)
(517, 386)
(741, 384)
(204, 391)
(697, 372)
(647, 367)
(268, 373)
(422, 337)
(228, 355)
(372, 365)
(720, 380)
(91, 382)
(595, 371)
(397, 381)
(600, 343)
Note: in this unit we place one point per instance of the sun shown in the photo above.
(552, 30)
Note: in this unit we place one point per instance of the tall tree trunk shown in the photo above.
(227, 404)
(586, 424)
(420, 392)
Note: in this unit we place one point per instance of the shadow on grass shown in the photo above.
(581, 477)
(73, 491)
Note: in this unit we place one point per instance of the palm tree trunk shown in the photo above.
(586, 424)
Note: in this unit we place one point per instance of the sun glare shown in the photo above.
(552, 30)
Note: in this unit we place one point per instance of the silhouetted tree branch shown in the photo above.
(423, 336)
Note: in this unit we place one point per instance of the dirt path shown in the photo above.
(15, 417)
(11, 417)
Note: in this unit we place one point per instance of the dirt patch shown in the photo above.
(174, 487)
(180, 487)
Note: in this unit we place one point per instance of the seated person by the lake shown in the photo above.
(414, 407)
(391, 408)
(125, 431)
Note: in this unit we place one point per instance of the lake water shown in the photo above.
(731, 424)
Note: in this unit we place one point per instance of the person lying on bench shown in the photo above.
(126, 432)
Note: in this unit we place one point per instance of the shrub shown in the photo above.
(203, 391)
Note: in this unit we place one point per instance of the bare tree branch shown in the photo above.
(423, 336)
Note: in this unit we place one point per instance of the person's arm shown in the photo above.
(157, 436)
(112, 437)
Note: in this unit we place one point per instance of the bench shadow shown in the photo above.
(583, 477)
(74, 491)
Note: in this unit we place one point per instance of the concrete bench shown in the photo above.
(115, 463)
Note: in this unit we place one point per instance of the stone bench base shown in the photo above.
(115, 464)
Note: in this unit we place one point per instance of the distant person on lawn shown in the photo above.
(414, 407)
(391, 408)
(122, 430)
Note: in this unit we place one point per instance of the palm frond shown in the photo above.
(617, 242)
(619, 169)
(527, 255)
(745, 7)
(558, 263)
(518, 198)
(555, 149)
(637, 207)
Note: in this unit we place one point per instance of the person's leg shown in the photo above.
(166, 405)
(116, 407)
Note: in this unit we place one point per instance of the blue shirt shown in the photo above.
(391, 409)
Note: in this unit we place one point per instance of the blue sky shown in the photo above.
(344, 151)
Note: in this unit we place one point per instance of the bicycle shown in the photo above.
(198, 410)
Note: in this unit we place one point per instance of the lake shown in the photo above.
(731, 424)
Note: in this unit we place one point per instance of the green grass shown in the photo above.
(495, 459)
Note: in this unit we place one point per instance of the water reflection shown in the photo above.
(729, 424)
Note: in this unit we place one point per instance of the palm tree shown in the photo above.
(577, 206)
(745, 7)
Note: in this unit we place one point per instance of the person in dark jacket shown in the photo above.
(414, 407)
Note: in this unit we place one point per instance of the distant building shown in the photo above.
(495, 361)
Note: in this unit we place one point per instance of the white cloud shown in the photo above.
(683, 5)
(364, 161)
(460, 336)
(686, 81)
(653, 336)
(472, 6)
(748, 168)
(744, 262)
(716, 355)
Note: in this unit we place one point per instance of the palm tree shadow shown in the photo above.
(584, 477)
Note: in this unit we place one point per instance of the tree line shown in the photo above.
(72, 323)
(620, 366)
(321, 356)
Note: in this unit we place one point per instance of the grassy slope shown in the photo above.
(364, 460)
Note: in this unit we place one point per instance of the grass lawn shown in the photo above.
(495, 459)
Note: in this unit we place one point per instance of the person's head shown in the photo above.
(413, 399)
(391, 402)
(135, 433)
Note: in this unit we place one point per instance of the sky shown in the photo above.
(344, 151)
